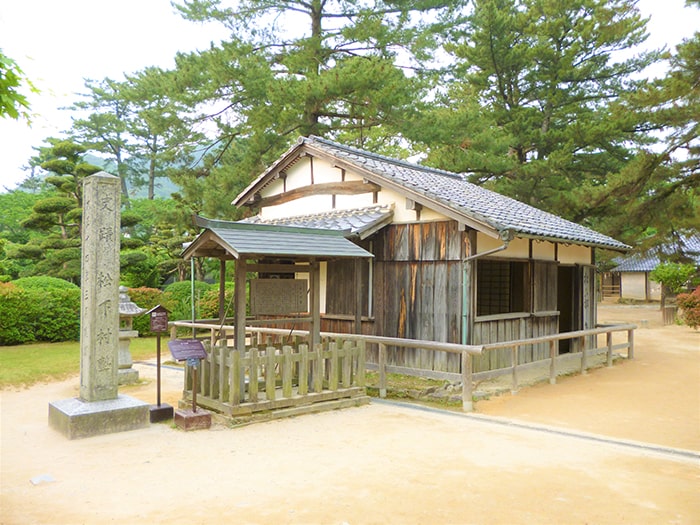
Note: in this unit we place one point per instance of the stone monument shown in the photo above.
(99, 409)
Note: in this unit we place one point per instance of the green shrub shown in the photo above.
(44, 283)
(179, 294)
(209, 304)
(59, 312)
(39, 309)
(690, 304)
(16, 312)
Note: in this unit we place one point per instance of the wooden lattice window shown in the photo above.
(502, 287)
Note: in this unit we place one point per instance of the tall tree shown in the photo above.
(57, 216)
(103, 129)
(528, 110)
(658, 193)
(158, 140)
(345, 69)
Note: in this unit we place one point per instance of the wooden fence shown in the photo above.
(274, 377)
(225, 388)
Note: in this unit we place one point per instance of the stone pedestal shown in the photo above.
(75, 418)
(126, 375)
(186, 419)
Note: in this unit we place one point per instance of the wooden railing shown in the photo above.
(292, 339)
(610, 290)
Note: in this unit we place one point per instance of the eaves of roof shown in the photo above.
(448, 193)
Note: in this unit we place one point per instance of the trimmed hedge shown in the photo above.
(39, 313)
(36, 309)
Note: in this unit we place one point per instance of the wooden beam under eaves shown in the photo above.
(329, 188)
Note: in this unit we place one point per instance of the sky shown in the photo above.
(58, 44)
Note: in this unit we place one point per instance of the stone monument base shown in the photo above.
(128, 376)
(75, 418)
(185, 419)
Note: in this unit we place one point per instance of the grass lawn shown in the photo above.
(25, 365)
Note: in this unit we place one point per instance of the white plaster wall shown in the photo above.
(517, 248)
(633, 285)
(543, 250)
(323, 269)
(299, 176)
(654, 290)
(574, 254)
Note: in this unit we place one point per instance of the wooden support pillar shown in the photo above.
(467, 383)
(239, 325)
(222, 290)
(358, 296)
(240, 299)
(315, 303)
(552, 362)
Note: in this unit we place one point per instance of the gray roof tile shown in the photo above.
(359, 222)
(646, 262)
(453, 190)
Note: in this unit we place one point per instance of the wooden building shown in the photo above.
(633, 272)
(453, 262)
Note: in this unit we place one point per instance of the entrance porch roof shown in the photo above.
(235, 240)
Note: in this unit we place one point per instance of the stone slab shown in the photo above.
(163, 412)
(187, 420)
(128, 376)
(75, 418)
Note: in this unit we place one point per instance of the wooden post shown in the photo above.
(222, 373)
(552, 362)
(287, 371)
(240, 300)
(382, 370)
(608, 341)
(315, 292)
(304, 370)
(514, 364)
(270, 373)
(318, 368)
(630, 340)
(333, 379)
(467, 385)
(360, 377)
(347, 365)
(584, 360)
(234, 394)
(358, 296)
(222, 290)
(253, 374)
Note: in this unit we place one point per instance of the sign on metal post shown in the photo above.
(159, 319)
(190, 350)
(159, 323)
(184, 349)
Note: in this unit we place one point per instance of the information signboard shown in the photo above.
(159, 319)
(184, 349)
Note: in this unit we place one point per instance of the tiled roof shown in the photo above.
(507, 216)
(241, 239)
(646, 262)
(360, 222)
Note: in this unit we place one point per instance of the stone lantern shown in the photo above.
(127, 311)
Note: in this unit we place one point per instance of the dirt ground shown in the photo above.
(617, 445)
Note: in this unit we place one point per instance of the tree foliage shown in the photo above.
(13, 102)
(529, 110)
(344, 69)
